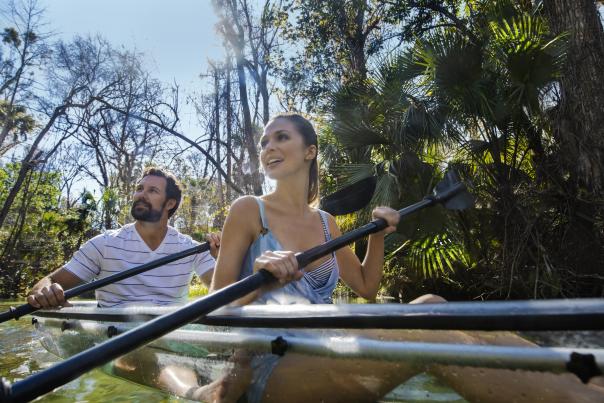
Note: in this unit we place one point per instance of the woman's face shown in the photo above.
(282, 149)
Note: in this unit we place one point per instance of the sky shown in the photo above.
(177, 37)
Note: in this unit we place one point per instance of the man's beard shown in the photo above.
(148, 215)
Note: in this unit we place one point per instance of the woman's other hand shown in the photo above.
(390, 215)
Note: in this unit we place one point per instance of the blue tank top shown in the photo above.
(315, 287)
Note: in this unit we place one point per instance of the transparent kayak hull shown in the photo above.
(202, 356)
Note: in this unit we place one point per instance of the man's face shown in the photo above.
(149, 201)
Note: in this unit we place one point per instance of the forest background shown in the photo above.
(507, 93)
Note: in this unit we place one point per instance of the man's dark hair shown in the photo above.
(173, 190)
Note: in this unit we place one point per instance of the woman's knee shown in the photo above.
(428, 299)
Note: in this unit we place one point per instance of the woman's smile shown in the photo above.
(273, 162)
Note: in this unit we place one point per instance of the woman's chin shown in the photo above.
(273, 174)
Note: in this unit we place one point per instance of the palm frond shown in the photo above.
(386, 191)
(432, 255)
(453, 66)
(528, 56)
(352, 173)
(356, 134)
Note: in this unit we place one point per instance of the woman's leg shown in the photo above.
(302, 378)
(501, 385)
(231, 385)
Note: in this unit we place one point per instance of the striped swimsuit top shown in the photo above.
(316, 286)
(319, 276)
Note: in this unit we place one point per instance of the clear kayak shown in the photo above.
(260, 347)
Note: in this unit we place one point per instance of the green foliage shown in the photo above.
(335, 41)
(20, 122)
(39, 234)
(10, 36)
(197, 289)
(471, 95)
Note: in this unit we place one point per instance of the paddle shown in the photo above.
(351, 198)
(449, 192)
(344, 201)
(517, 315)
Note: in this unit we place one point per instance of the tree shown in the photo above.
(475, 98)
(26, 49)
(72, 84)
(121, 145)
(264, 50)
(339, 38)
(42, 233)
(578, 118)
(232, 28)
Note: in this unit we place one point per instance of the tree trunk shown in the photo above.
(579, 124)
(229, 125)
(235, 35)
(248, 135)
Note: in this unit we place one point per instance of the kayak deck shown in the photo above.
(561, 314)
(210, 351)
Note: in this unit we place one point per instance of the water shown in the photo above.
(21, 354)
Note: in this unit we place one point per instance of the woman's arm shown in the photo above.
(241, 227)
(364, 278)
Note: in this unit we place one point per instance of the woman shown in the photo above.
(265, 233)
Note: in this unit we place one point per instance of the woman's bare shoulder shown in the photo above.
(242, 213)
(244, 204)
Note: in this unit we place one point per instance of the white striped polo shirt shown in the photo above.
(122, 249)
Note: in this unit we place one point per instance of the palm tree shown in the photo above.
(474, 99)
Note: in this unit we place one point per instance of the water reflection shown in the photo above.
(22, 354)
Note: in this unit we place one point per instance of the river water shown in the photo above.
(21, 354)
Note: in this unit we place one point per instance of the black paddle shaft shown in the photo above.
(16, 313)
(374, 226)
(344, 201)
(47, 380)
(69, 369)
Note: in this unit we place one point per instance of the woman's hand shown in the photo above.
(214, 239)
(390, 215)
(281, 264)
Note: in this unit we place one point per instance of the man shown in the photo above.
(149, 238)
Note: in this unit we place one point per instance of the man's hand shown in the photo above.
(214, 240)
(50, 296)
(48, 292)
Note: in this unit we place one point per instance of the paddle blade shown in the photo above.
(351, 198)
(453, 200)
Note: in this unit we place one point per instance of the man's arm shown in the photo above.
(48, 292)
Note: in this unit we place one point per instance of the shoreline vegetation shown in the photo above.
(500, 91)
